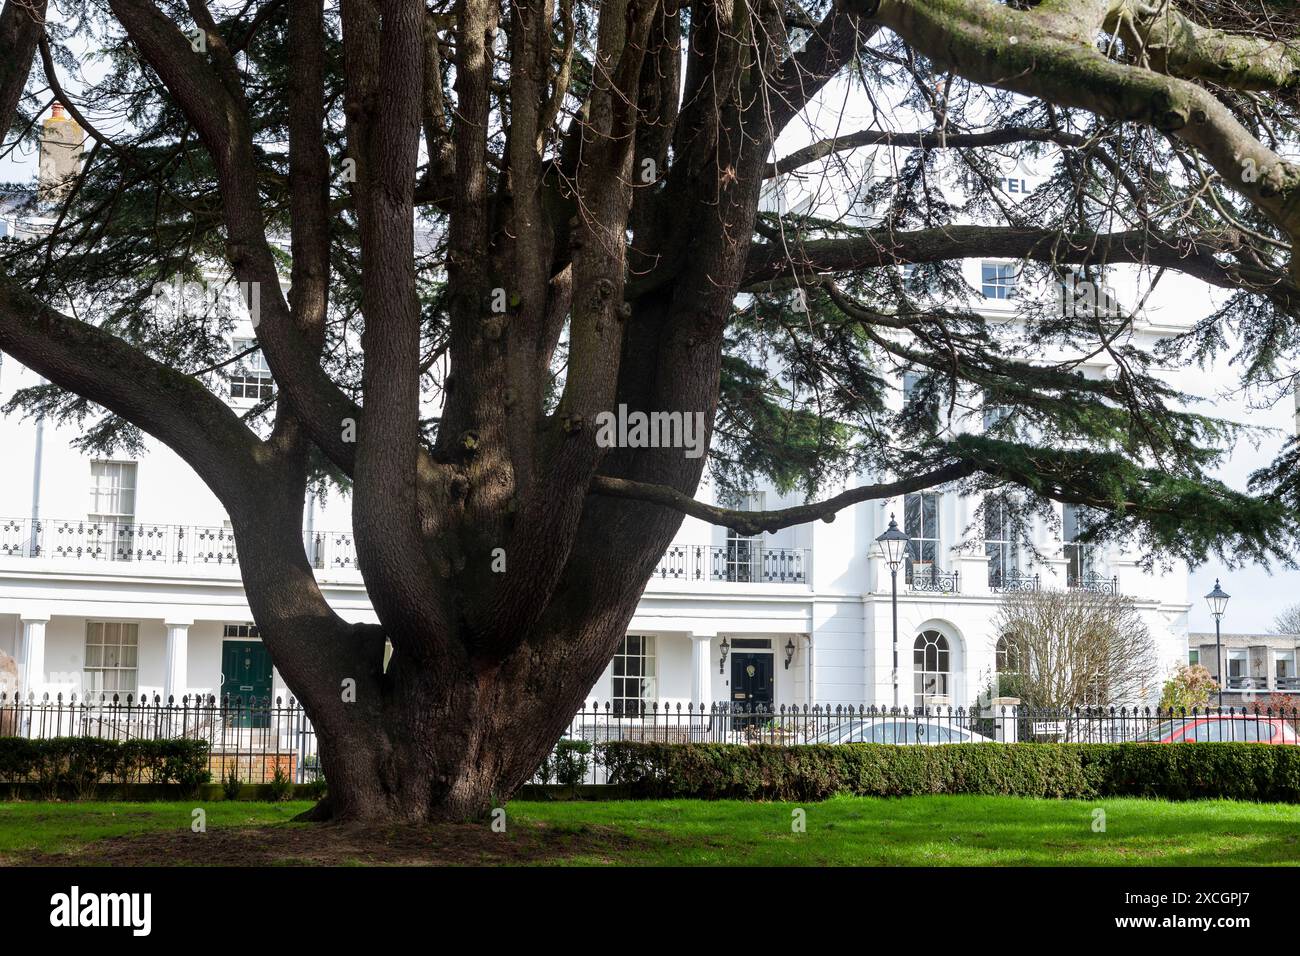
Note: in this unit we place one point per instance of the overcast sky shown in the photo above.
(1257, 595)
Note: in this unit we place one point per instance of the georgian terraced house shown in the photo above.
(119, 576)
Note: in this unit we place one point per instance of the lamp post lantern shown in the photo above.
(893, 547)
(1218, 601)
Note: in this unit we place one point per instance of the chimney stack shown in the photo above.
(61, 140)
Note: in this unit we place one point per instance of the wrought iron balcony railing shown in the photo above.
(934, 581)
(1095, 583)
(1012, 581)
(142, 543)
(737, 565)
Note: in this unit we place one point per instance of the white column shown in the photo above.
(701, 669)
(31, 662)
(1053, 571)
(811, 665)
(973, 573)
(176, 668)
(1004, 719)
(1129, 578)
(964, 511)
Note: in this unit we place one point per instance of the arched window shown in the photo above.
(1008, 656)
(1006, 680)
(931, 667)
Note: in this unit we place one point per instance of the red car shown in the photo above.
(1214, 729)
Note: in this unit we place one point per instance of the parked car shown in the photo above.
(1216, 728)
(897, 731)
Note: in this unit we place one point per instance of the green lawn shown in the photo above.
(925, 831)
(60, 827)
(946, 831)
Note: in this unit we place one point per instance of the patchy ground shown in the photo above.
(845, 831)
(344, 845)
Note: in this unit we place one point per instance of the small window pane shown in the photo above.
(633, 687)
(998, 280)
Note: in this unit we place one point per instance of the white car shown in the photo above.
(898, 730)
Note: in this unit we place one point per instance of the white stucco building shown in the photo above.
(120, 576)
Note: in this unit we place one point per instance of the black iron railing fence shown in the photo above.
(932, 580)
(839, 724)
(1012, 581)
(1096, 583)
(251, 738)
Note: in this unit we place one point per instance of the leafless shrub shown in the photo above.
(1074, 648)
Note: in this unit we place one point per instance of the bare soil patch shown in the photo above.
(326, 844)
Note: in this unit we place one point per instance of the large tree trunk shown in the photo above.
(453, 745)
(451, 725)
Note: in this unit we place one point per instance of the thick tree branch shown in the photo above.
(1193, 255)
(802, 76)
(309, 173)
(1049, 51)
(22, 24)
(218, 115)
(757, 522)
(1175, 44)
(173, 407)
(921, 140)
(384, 45)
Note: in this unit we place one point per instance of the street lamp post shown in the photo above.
(1218, 601)
(893, 546)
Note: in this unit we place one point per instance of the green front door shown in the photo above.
(246, 681)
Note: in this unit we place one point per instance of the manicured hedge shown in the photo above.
(763, 772)
(80, 764)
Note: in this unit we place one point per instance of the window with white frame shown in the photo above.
(1008, 656)
(1284, 672)
(931, 667)
(251, 376)
(1237, 664)
(111, 657)
(998, 280)
(745, 552)
(240, 630)
(634, 686)
(993, 412)
(914, 392)
(111, 512)
(1078, 555)
(1007, 674)
(920, 279)
(999, 540)
(921, 525)
(112, 491)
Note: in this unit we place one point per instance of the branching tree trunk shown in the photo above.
(593, 176)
